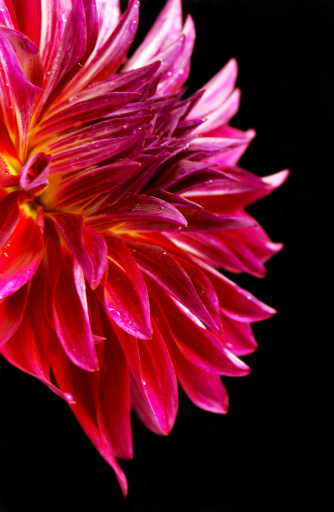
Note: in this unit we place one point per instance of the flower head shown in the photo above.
(118, 199)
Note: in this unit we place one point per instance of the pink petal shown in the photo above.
(108, 13)
(125, 293)
(221, 115)
(71, 316)
(173, 79)
(216, 90)
(165, 31)
(20, 256)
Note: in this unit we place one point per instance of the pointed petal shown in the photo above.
(165, 31)
(125, 293)
(237, 303)
(201, 347)
(204, 389)
(216, 90)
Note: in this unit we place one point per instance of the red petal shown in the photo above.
(12, 309)
(21, 255)
(71, 316)
(114, 396)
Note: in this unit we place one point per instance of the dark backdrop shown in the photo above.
(268, 453)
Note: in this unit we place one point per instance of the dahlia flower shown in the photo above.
(119, 199)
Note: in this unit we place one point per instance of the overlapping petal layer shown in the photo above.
(118, 197)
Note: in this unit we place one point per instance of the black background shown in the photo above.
(268, 454)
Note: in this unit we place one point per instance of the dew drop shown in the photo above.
(63, 18)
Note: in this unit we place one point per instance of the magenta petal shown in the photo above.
(83, 388)
(216, 90)
(71, 317)
(17, 95)
(87, 245)
(7, 14)
(125, 293)
(20, 256)
(236, 302)
(35, 174)
(152, 368)
(12, 309)
(109, 57)
(139, 213)
(114, 396)
(171, 276)
(201, 347)
(108, 15)
(205, 389)
(166, 29)
(77, 42)
(205, 291)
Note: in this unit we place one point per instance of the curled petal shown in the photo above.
(87, 245)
